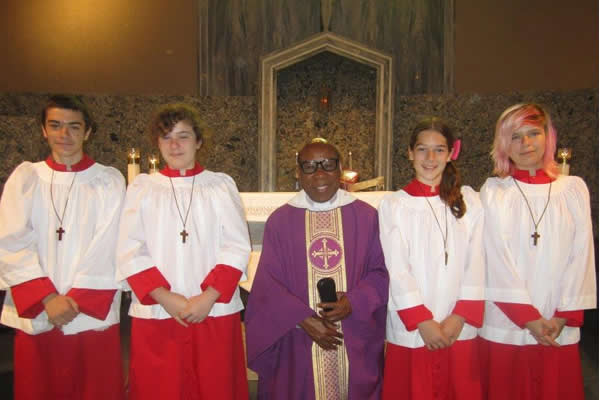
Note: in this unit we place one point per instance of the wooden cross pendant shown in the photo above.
(184, 235)
(535, 237)
(60, 232)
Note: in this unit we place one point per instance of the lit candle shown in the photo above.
(564, 154)
(153, 162)
(133, 164)
(349, 176)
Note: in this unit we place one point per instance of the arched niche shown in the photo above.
(267, 121)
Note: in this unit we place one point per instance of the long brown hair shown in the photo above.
(450, 184)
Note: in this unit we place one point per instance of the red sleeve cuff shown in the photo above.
(146, 281)
(411, 317)
(224, 279)
(93, 302)
(574, 318)
(28, 296)
(519, 314)
(471, 311)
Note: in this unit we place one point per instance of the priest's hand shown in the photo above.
(322, 332)
(338, 310)
(543, 331)
(452, 327)
(60, 309)
(199, 306)
(172, 302)
(432, 334)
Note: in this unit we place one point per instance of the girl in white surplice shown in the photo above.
(431, 237)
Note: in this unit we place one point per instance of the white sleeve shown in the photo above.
(133, 255)
(19, 260)
(473, 282)
(503, 282)
(97, 267)
(578, 284)
(404, 291)
(235, 241)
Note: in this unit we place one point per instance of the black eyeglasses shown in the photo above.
(328, 164)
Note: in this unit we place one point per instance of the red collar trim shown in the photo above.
(419, 189)
(174, 173)
(83, 164)
(540, 176)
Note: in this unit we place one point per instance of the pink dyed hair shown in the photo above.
(511, 120)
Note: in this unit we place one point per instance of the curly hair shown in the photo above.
(168, 115)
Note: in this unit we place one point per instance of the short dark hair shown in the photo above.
(319, 141)
(168, 115)
(69, 102)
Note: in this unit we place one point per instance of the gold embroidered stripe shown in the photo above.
(326, 259)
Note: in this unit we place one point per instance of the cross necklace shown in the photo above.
(60, 231)
(444, 236)
(535, 234)
(183, 233)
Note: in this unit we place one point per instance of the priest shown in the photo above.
(58, 229)
(300, 346)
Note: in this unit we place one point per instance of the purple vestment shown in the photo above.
(280, 351)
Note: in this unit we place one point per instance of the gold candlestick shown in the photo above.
(564, 154)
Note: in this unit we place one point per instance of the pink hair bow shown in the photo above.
(455, 150)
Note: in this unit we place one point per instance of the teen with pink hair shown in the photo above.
(540, 264)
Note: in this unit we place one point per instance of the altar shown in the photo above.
(259, 205)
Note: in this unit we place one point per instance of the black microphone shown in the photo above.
(326, 288)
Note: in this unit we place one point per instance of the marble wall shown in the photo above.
(574, 113)
(233, 123)
(232, 136)
(349, 115)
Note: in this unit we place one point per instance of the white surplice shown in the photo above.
(414, 255)
(84, 258)
(556, 275)
(150, 230)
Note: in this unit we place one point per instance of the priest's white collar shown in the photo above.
(339, 199)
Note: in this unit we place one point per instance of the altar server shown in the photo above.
(431, 237)
(299, 350)
(540, 263)
(58, 225)
(183, 247)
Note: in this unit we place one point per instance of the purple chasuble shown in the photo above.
(278, 349)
